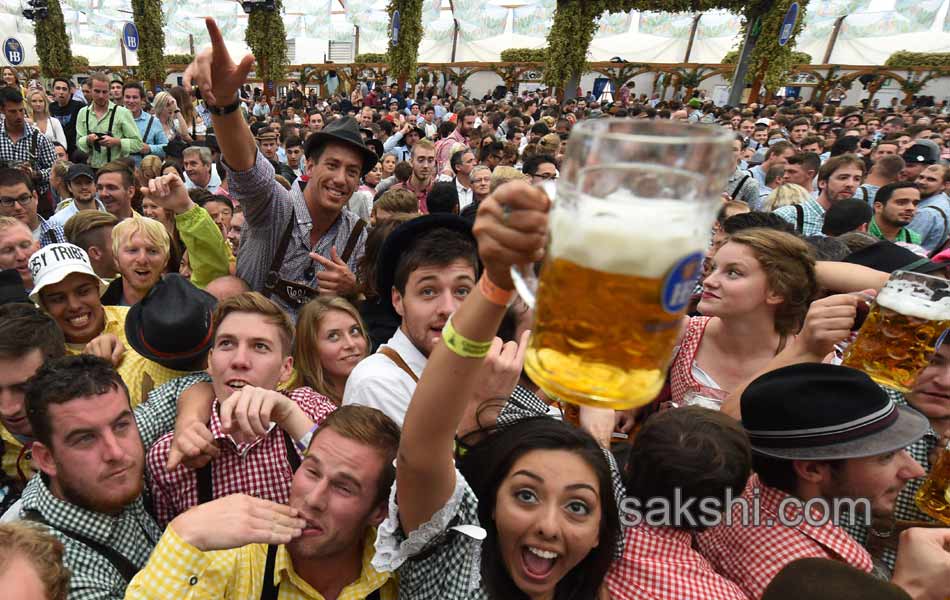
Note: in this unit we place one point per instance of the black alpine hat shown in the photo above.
(402, 238)
(345, 131)
(825, 412)
(172, 325)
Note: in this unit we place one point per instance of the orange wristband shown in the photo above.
(493, 293)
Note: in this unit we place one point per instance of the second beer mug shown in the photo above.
(902, 329)
(632, 216)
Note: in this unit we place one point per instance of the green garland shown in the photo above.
(370, 58)
(267, 39)
(906, 59)
(52, 43)
(179, 59)
(524, 55)
(575, 22)
(148, 18)
(404, 55)
(80, 64)
(731, 57)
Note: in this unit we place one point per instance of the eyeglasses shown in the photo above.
(23, 200)
(546, 177)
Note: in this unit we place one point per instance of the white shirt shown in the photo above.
(379, 383)
(465, 194)
(63, 214)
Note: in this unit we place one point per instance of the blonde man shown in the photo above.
(31, 564)
(141, 249)
(16, 247)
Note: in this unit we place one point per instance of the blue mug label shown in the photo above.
(680, 282)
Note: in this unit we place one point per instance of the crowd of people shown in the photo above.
(259, 348)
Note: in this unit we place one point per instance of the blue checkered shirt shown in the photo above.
(21, 151)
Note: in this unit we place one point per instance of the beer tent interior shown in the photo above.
(871, 31)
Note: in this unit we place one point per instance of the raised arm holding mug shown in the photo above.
(295, 244)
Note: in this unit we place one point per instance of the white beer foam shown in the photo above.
(899, 297)
(627, 235)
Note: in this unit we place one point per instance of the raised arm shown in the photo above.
(828, 322)
(207, 248)
(847, 277)
(219, 79)
(425, 469)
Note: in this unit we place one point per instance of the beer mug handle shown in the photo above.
(526, 283)
(524, 276)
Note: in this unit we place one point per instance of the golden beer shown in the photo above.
(631, 218)
(933, 497)
(604, 336)
(901, 331)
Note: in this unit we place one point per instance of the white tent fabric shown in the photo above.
(872, 29)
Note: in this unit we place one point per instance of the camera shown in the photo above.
(97, 145)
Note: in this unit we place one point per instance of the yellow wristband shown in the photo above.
(461, 345)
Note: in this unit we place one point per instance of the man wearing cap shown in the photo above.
(426, 268)
(67, 288)
(932, 220)
(261, 465)
(18, 199)
(294, 244)
(819, 433)
(81, 181)
(918, 157)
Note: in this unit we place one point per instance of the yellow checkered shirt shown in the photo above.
(176, 569)
(139, 374)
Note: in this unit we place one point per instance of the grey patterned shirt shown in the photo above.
(743, 187)
(267, 210)
(133, 533)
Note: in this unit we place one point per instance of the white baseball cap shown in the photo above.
(53, 263)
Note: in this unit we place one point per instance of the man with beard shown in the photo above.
(464, 127)
(81, 181)
(90, 451)
(838, 179)
(895, 205)
(423, 173)
(319, 546)
(932, 220)
(295, 244)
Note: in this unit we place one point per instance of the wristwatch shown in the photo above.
(225, 110)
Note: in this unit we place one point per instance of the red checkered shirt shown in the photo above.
(659, 563)
(752, 555)
(258, 469)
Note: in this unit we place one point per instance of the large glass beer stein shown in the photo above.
(632, 214)
(898, 337)
(933, 496)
